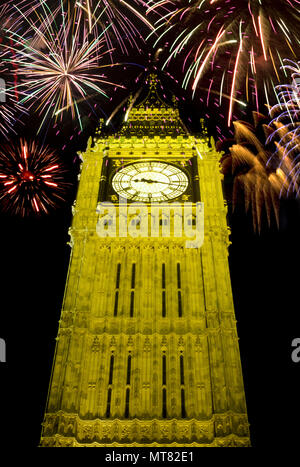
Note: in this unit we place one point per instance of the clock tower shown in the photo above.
(147, 350)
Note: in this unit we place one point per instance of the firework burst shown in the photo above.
(260, 176)
(31, 178)
(284, 128)
(116, 19)
(60, 65)
(230, 49)
(10, 108)
(9, 97)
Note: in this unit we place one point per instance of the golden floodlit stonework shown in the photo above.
(147, 351)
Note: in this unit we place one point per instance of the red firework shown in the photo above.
(31, 178)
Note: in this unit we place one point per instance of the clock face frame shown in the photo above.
(150, 181)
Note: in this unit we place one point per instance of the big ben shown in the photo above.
(147, 350)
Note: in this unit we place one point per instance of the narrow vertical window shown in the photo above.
(118, 276)
(183, 414)
(128, 369)
(163, 284)
(164, 370)
(163, 276)
(116, 303)
(178, 276)
(179, 304)
(181, 370)
(111, 369)
(117, 289)
(133, 276)
(131, 304)
(108, 403)
(179, 291)
(164, 403)
(127, 403)
(163, 303)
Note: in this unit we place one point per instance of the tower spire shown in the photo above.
(153, 115)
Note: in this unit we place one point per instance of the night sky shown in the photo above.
(34, 261)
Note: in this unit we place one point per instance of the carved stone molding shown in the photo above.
(60, 441)
(65, 429)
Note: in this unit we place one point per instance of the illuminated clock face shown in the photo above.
(150, 181)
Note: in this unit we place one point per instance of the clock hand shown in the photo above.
(144, 180)
(155, 181)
